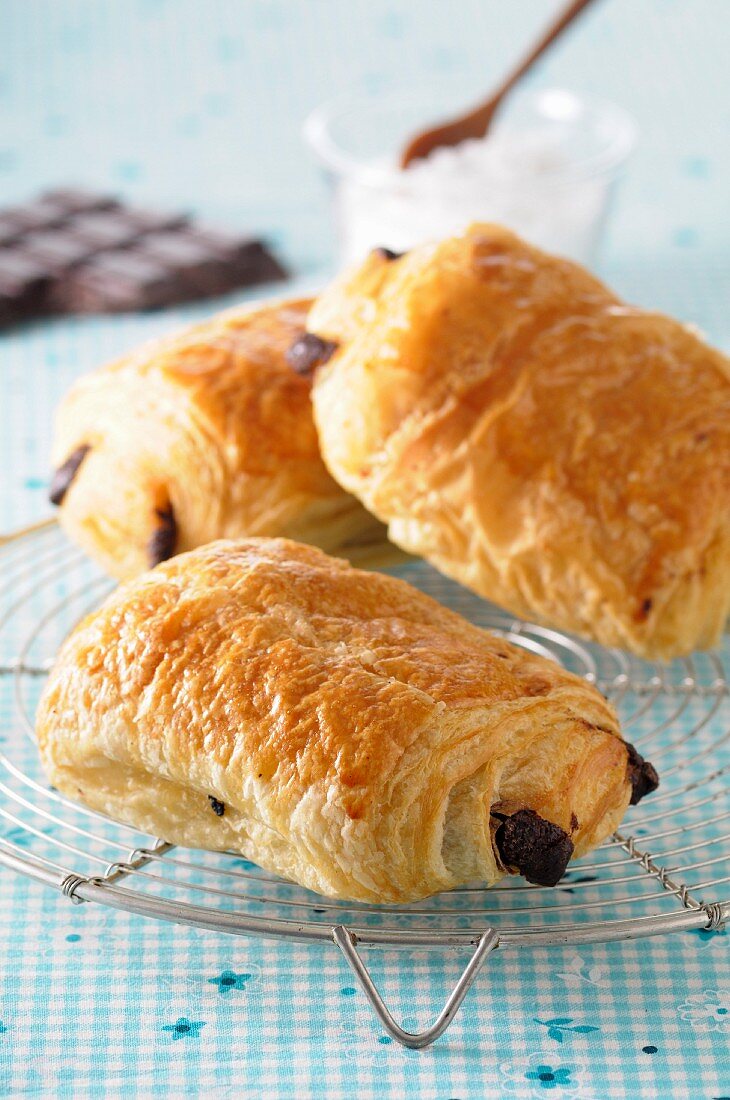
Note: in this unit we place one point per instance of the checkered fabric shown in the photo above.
(97, 1003)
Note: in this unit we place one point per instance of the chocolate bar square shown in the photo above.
(23, 283)
(10, 231)
(104, 229)
(60, 250)
(72, 200)
(248, 256)
(203, 270)
(40, 214)
(153, 221)
(121, 281)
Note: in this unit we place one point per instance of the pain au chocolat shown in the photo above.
(203, 435)
(515, 423)
(337, 727)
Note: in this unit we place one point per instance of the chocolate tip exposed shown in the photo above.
(309, 351)
(538, 849)
(64, 475)
(218, 807)
(388, 253)
(642, 775)
(161, 545)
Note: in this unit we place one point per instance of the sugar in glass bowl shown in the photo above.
(547, 169)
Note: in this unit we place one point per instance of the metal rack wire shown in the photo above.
(667, 869)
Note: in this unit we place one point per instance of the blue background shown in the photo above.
(200, 105)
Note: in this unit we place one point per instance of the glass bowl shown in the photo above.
(548, 169)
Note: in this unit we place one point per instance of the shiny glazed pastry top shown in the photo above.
(338, 727)
(511, 420)
(195, 437)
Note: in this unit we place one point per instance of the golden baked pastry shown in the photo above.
(338, 727)
(204, 435)
(511, 420)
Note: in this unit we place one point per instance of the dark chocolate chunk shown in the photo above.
(309, 351)
(218, 808)
(537, 849)
(65, 474)
(642, 775)
(162, 543)
(388, 253)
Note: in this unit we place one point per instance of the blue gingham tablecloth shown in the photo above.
(98, 1003)
(151, 96)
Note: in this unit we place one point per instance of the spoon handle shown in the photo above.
(476, 123)
(551, 33)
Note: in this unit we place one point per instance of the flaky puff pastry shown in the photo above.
(338, 727)
(511, 420)
(204, 435)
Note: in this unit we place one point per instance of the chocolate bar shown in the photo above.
(72, 251)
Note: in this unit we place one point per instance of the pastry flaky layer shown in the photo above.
(204, 435)
(338, 727)
(511, 420)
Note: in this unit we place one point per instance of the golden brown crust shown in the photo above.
(514, 422)
(212, 428)
(357, 733)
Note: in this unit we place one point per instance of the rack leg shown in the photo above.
(346, 942)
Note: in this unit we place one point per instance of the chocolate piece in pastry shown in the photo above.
(512, 421)
(204, 435)
(338, 727)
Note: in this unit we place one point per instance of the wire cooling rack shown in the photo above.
(667, 869)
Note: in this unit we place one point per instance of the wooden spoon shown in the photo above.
(476, 123)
